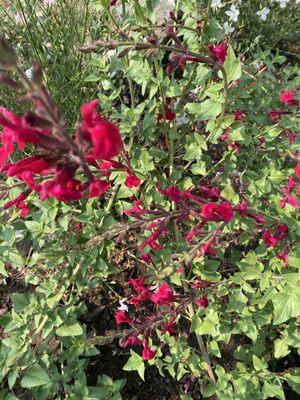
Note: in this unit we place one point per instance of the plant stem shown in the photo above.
(200, 341)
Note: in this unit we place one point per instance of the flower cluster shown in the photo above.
(149, 308)
(61, 161)
(178, 60)
(291, 189)
(194, 212)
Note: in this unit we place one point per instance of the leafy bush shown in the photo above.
(192, 167)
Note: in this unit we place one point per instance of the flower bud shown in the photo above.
(8, 56)
(37, 75)
(6, 80)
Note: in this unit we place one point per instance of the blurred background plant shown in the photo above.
(49, 32)
(254, 23)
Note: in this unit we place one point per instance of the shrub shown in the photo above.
(192, 165)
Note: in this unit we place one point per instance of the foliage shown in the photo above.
(207, 182)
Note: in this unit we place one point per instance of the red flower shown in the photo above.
(15, 130)
(297, 170)
(132, 341)
(97, 188)
(257, 218)
(19, 203)
(217, 212)
(137, 284)
(238, 115)
(132, 181)
(164, 295)
(147, 353)
(172, 193)
(202, 302)
(288, 98)
(291, 184)
(200, 283)
(274, 114)
(121, 318)
(218, 53)
(290, 135)
(270, 240)
(168, 327)
(282, 231)
(104, 135)
(206, 247)
(63, 187)
(31, 164)
(284, 256)
(146, 257)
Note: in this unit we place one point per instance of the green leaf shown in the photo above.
(272, 390)
(232, 66)
(281, 349)
(135, 363)
(293, 259)
(205, 110)
(286, 305)
(229, 193)
(294, 380)
(2, 269)
(193, 152)
(258, 363)
(69, 328)
(35, 376)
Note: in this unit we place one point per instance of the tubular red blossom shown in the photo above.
(274, 114)
(104, 135)
(270, 240)
(291, 184)
(136, 209)
(169, 327)
(63, 187)
(217, 212)
(146, 257)
(18, 203)
(243, 208)
(163, 296)
(172, 193)
(151, 240)
(31, 164)
(288, 98)
(121, 318)
(202, 302)
(290, 136)
(97, 188)
(238, 115)
(283, 255)
(218, 53)
(206, 247)
(257, 218)
(282, 231)
(106, 140)
(200, 283)
(147, 353)
(132, 341)
(297, 170)
(132, 181)
(138, 284)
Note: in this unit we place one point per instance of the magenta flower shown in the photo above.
(217, 212)
(147, 353)
(218, 53)
(163, 296)
(202, 302)
(121, 318)
(288, 98)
